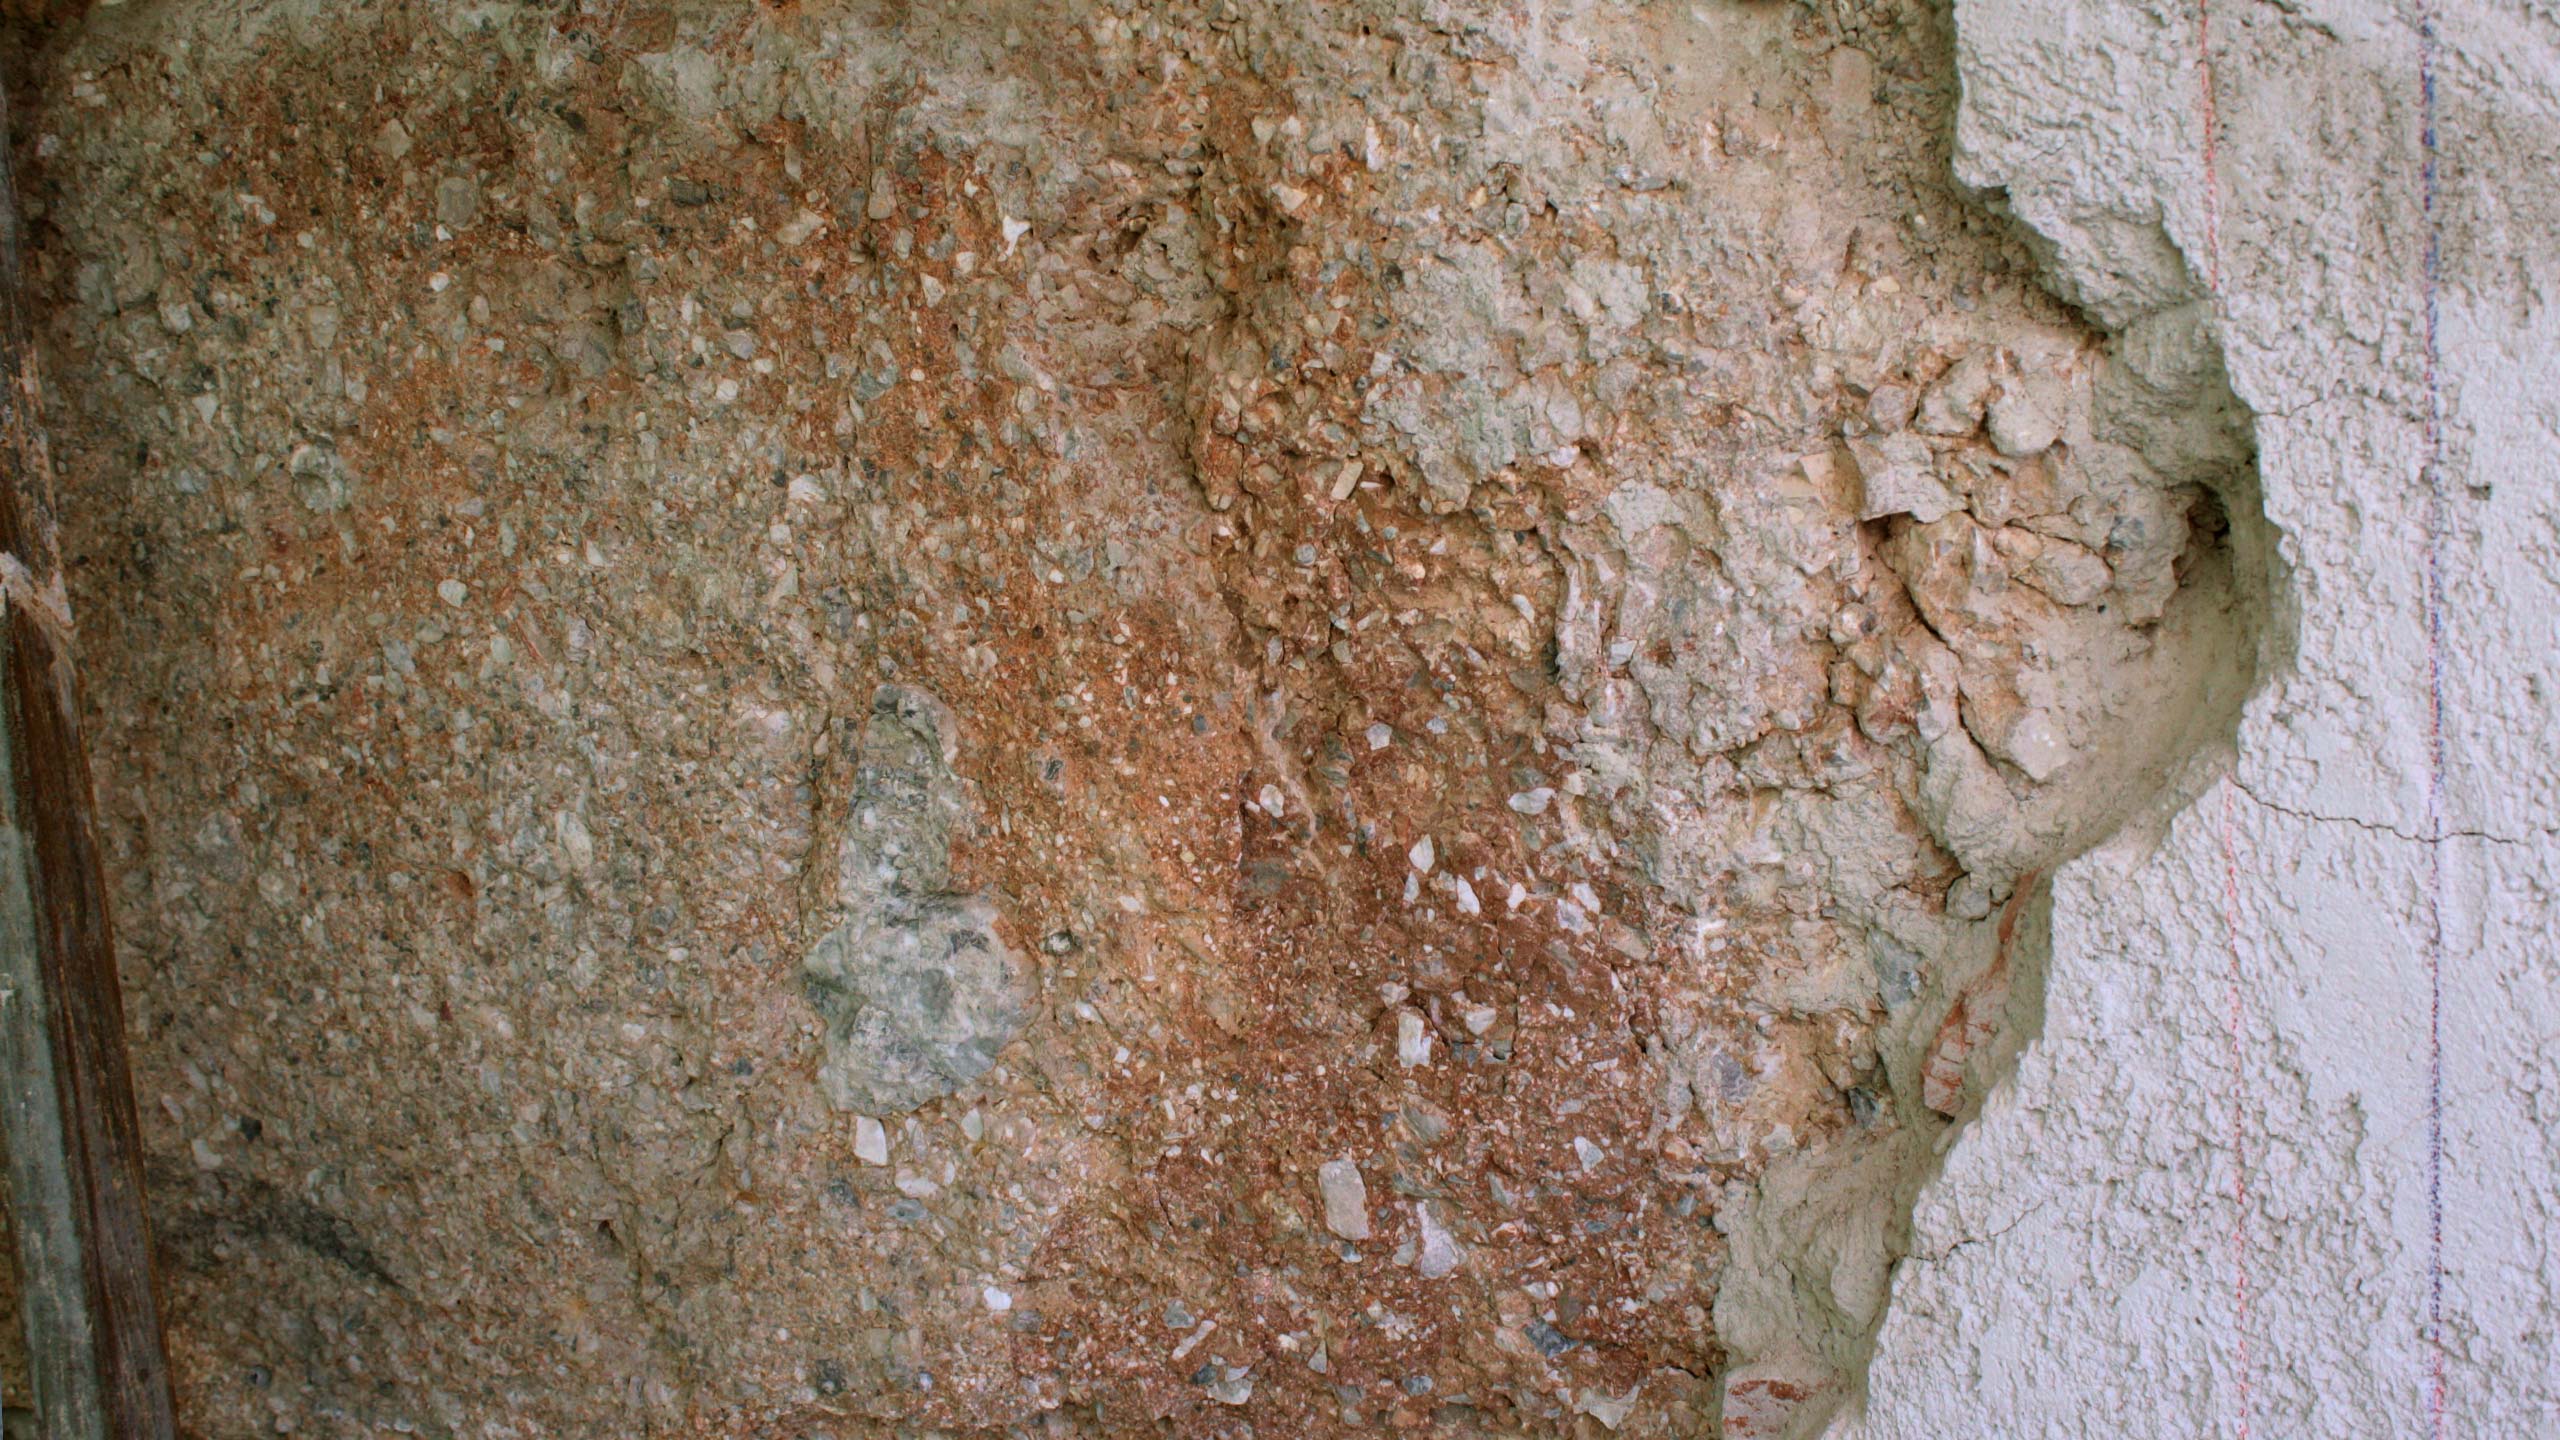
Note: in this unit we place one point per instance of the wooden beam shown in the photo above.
(75, 1146)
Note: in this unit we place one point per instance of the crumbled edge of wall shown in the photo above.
(1814, 1246)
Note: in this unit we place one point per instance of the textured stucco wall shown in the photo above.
(2202, 1204)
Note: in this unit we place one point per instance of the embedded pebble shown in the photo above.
(1413, 1039)
(1346, 1199)
(1440, 1252)
(870, 1141)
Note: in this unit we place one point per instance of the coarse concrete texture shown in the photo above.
(1202, 718)
(2219, 1196)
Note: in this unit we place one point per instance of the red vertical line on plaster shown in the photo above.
(2206, 101)
(2430, 542)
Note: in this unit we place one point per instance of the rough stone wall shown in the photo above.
(2211, 1200)
(1222, 719)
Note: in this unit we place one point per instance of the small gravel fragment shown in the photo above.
(1231, 1384)
(1441, 1252)
(457, 202)
(1609, 1410)
(1550, 1341)
(1346, 1199)
(1413, 1040)
(870, 1141)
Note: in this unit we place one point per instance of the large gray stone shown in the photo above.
(917, 990)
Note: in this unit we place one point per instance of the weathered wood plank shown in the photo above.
(75, 1146)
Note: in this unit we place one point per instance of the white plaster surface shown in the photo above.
(2166, 1222)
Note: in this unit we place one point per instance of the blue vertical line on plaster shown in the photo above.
(2431, 533)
